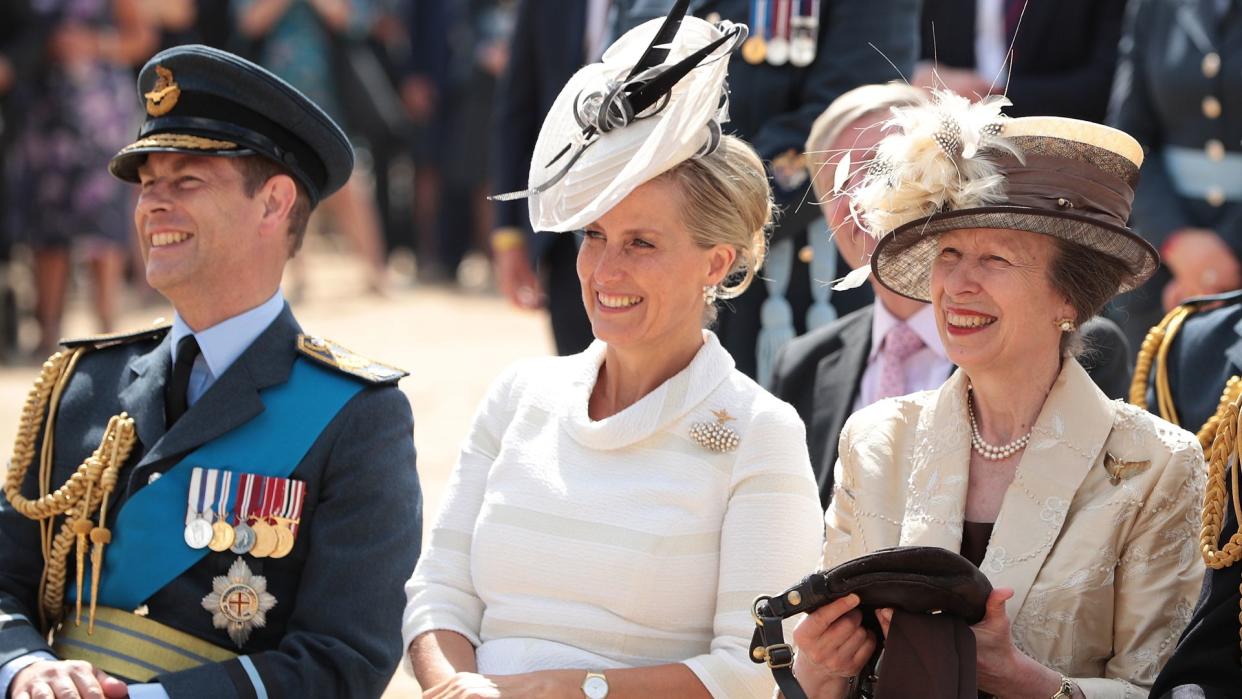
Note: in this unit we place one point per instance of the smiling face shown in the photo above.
(996, 307)
(643, 274)
(203, 238)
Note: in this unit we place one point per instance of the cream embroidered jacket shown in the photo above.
(1105, 573)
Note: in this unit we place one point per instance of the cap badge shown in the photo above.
(239, 602)
(163, 97)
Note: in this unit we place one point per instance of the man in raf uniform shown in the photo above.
(1189, 373)
(223, 507)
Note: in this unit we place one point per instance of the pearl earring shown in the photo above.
(709, 295)
(1066, 325)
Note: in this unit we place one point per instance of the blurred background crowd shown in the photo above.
(443, 98)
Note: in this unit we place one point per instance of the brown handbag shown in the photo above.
(919, 580)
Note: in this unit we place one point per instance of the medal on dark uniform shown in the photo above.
(804, 27)
(222, 532)
(243, 535)
(755, 48)
(239, 602)
(198, 515)
(264, 537)
(778, 46)
(290, 515)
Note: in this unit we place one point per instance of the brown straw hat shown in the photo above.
(952, 165)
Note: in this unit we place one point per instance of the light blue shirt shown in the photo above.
(221, 345)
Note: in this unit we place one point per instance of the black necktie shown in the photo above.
(176, 392)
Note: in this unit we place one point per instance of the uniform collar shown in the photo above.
(223, 343)
(923, 323)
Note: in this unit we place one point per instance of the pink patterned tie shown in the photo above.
(899, 343)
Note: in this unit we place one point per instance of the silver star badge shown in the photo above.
(239, 602)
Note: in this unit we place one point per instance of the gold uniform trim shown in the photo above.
(135, 647)
(331, 354)
(181, 141)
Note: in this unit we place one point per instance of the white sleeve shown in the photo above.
(769, 540)
(440, 594)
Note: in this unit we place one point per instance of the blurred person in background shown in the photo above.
(1064, 52)
(801, 55)
(1179, 92)
(299, 41)
(76, 114)
(480, 35)
(537, 271)
(20, 48)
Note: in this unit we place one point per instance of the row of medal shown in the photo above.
(259, 516)
(782, 31)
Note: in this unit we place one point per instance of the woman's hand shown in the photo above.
(1003, 669)
(533, 685)
(832, 646)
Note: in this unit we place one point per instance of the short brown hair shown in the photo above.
(727, 200)
(1088, 279)
(256, 170)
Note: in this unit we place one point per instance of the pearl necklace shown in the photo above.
(988, 451)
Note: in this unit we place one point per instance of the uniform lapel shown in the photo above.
(234, 398)
(837, 377)
(939, 461)
(1234, 352)
(1067, 440)
(143, 398)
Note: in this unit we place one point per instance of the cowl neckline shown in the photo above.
(652, 413)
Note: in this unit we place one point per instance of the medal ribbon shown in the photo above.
(758, 17)
(241, 508)
(278, 498)
(195, 499)
(209, 493)
(780, 28)
(259, 513)
(294, 513)
(222, 503)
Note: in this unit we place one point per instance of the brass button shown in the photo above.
(1211, 64)
(806, 254)
(1215, 196)
(1211, 107)
(794, 597)
(1214, 149)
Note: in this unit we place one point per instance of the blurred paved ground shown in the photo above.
(452, 343)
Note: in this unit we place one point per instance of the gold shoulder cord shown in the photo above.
(78, 499)
(1226, 446)
(1155, 350)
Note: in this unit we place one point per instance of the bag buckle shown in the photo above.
(777, 655)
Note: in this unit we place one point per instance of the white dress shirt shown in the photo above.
(991, 44)
(925, 369)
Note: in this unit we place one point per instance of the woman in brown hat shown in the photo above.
(1080, 511)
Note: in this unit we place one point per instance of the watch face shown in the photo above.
(595, 687)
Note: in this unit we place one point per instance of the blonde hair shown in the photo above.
(727, 201)
(848, 108)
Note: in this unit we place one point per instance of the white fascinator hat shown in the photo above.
(657, 98)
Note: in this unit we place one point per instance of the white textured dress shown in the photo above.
(565, 542)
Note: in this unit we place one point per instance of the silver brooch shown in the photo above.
(239, 602)
(716, 436)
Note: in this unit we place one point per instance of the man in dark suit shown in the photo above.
(1203, 357)
(891, 347)
(248, 495)
(533, 270)
(772, 102)
(1064, 52)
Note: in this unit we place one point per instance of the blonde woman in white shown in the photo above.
(613, 513)
(1083, 512)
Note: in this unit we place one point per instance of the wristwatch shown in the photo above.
(1065, 692)
(595, 686)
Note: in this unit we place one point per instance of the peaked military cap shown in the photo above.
(205, 101)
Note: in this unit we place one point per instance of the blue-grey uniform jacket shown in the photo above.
(335, 630)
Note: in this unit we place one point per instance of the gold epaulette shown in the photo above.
(1154, 354)
(328, 353)
(155, 332)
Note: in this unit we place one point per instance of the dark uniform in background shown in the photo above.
(316, 616)
(772, 105)
(1179, 93)
(1204, 361)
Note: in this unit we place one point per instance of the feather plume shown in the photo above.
(938, 157)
